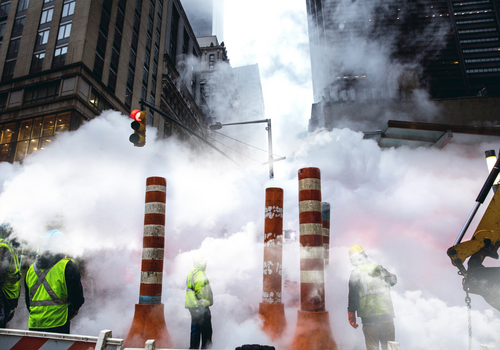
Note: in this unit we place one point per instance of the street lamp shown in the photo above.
(490, 162)
(218, 126)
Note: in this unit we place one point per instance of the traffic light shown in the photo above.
(138, 138)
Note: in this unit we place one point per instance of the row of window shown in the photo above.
(488, 49)
(477, 40)
(471, 3)
(477, 30)
(476, 21)
(483, 70)
(28, 136)
(483, 60)
(133, 53)
(42, 37)
(472, 12)
(102, 38)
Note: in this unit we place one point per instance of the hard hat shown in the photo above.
(355, 249)
(53, 239)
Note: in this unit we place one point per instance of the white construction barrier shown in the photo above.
(15, 339)
(393, 345)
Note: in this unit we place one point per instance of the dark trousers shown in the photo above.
(7, 307)
(379, 332)
(201, 326)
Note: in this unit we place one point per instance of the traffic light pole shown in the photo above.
(143, 104)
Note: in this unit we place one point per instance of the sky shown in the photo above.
(404, 206)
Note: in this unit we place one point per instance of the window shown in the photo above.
(4, 10)
(18, 26)
(145, 76)
(173, 35)
(135, 40)
(98, 102)
(3, 100)
(117, 39)
(68, 9)
(23, 5)
(64, 31)
(14, 46)
(30, 135)
(37, 61)
(60, 56)
(132, 59)
(147, 59)
(115, 57)
(185, 44)
(104, 22)
(130, 78)
(42, 38)
(41, 93)
(211, 57)
(46, 16)
(150, 27)
(128, 98)
(101, 43)
(8, 70)
(137, 23)
(120, 18)
(211, 66)
(98, 65)
(2, 30)
(112, 80)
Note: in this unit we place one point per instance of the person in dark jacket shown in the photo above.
(10, 276)
(53, 288)
(198, 299)
(370, 296)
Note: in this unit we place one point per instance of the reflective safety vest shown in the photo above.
(48, 295)
(12, 286)
(198, 290)
(374, 295)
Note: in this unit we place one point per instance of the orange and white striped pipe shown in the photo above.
(149, 316)
(312, 265)
(272, 309)
(325, 211)
(153, 241)
(273, 246)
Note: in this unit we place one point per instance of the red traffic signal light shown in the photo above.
(138, 138)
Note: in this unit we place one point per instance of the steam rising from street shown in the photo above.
(404, 206)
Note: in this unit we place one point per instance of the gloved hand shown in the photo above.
(352, 319)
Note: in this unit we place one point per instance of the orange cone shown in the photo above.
(272, 310)
(313, 330)
(149, 317)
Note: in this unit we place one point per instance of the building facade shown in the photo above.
(386, 49)
(65, 61)
(206, 17)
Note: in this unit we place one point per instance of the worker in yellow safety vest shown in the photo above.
(10, 276)
(370, 296)
(198, 299)
(54, 292)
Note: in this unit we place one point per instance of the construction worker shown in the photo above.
(10, 276)
(198, 299)
(369, 295)
(54, 292)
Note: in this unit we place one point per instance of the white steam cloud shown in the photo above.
(403, 206)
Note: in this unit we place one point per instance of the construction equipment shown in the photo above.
(478, 279)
